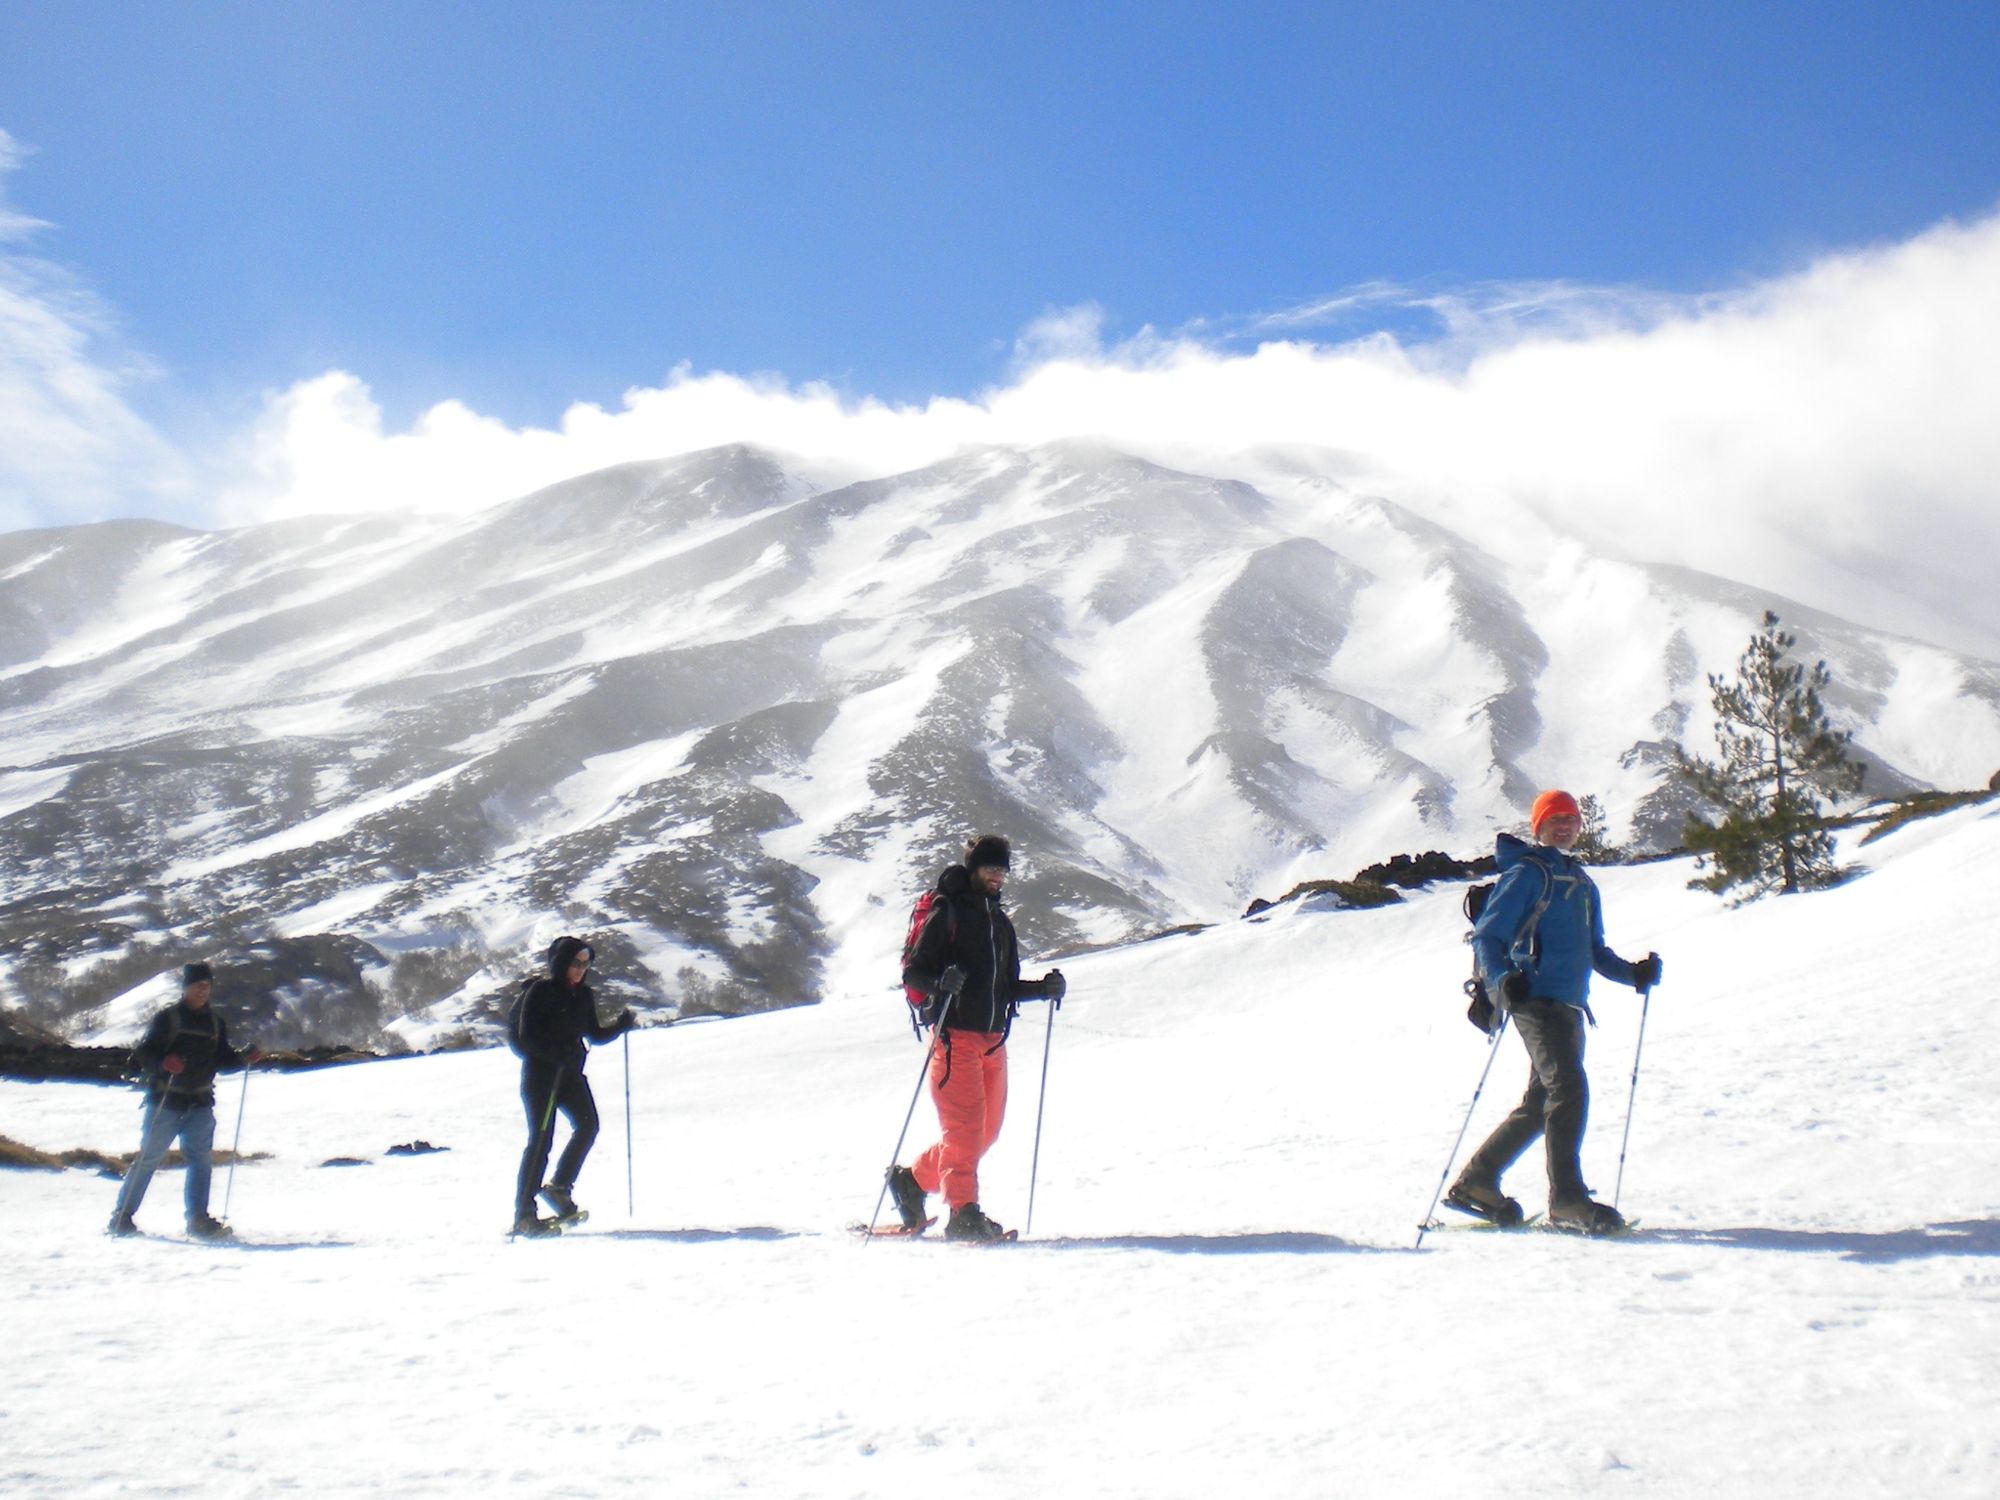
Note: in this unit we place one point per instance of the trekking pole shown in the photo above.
(547, 1132)
(911, 1113)
(628, 1124)
(1035, 1161)
(229, 1185)
(1492, 1051)
(1645, 1004)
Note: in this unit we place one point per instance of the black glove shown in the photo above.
(1054, 986)
(1514, 990)
(1646, 972)
(949, 983)
(628, 1021)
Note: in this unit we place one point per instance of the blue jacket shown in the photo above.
(1559, 951)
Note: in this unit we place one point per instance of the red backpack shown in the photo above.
(922, 1006)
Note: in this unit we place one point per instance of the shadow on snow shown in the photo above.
(1278, 1242)
(240, 1244)
(1975, 1237)
(693, 1236)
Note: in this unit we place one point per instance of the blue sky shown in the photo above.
(522, 205)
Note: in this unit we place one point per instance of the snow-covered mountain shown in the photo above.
(728, 722)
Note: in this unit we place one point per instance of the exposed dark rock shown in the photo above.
(1340, 895)
(1414, 871)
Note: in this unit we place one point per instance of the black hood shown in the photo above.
(561, 951)
(955, 881)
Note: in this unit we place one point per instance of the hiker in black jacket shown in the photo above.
(556, 1014)
(967, 960)
(183, 1049)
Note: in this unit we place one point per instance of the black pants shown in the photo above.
(1557, 1103)
(570, 1092)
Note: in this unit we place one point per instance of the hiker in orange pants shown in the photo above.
(969, 1086)
(965, 967)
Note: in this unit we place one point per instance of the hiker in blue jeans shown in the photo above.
(182, 1051)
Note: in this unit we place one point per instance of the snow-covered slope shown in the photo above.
(1219, 1295)
(729, 724)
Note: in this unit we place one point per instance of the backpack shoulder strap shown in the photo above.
(1526, 934)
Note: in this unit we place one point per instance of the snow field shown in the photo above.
(1219, 1296)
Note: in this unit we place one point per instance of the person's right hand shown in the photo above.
(951, 981)
(172, 1063)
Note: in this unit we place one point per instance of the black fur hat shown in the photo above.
(988, 849)
(192, 974)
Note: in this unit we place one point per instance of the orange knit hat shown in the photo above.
(1548, 805)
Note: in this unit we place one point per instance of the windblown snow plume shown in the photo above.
(730, 720)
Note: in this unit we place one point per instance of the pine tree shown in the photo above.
(1780, 756)
(1593, 841)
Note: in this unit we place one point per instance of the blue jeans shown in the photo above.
(195, 1126)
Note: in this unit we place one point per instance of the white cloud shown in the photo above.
(1829, 433)
(71, 448)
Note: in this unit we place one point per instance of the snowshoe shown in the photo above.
(1585, 1216)
(566, 1212)
(122, 1227)
(967, 1222)
(209, 1228)
(895, 1231)
(1483, 1200)
(909, 1198)
(532, 1226)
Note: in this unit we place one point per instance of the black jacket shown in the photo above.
(556, 1016)
(968, 928)
(200, 1038)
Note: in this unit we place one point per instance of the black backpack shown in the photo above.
(137, 1069)
(517, 1014)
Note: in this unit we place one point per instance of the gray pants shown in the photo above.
(1557, 1103)
(195, 1128)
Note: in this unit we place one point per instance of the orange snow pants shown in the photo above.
(969, 1086)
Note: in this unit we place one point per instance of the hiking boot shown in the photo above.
(121, 1225)
(534, 1227)
(556, 1195)
(206, 1227)
(1483, 1200)
(909, 1197)
(968, 1223)
(1585, 1216)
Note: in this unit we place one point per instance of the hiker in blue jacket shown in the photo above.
(1537, 943)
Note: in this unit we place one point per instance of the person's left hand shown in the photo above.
(628, 1021)
(1646, 972)
(1054, 986)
